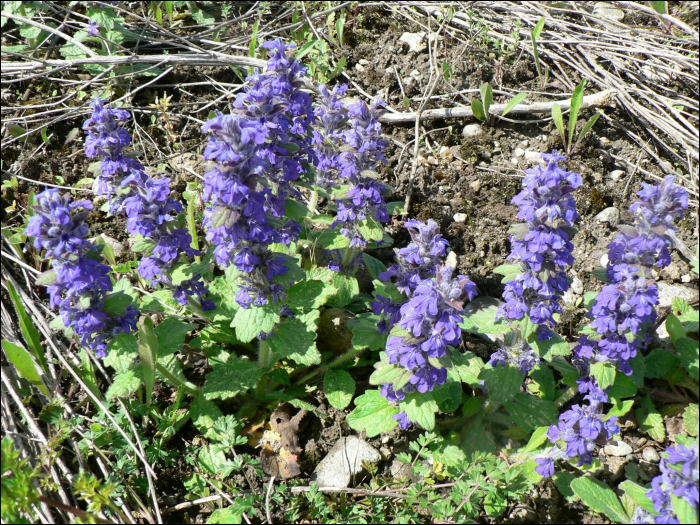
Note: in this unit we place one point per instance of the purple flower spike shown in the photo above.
(679, 477)
(542, 245)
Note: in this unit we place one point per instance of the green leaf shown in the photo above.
(530, 412)
(339, 387)
(589, 299)
(122, 352)
(374, 266)
(559, 121)
(448, 396)
(29, 331)
(373, 413)
(622, 388)
(294, 272)
(249, 322)
(148, 350)
(591, 122)
(538, 438)
(675, 328)
(124, 385)
(517, 99)
(601, 498)
(364, 332)
(331, 239)
(567, 370)
(638, 494)
(478, 109)
(371, 230)
(293, 339)
(503, 382)
(547, 349)
(690, 420)
(658, 363)
(309, 295)
(171, 335)
(684, 510)
(605, 373)
(347, 288)
(204, 414)
(620, 409)
(420, 408)
(466, 368)
(544, 379)
(116, 303)
(538, 29)
(660, 7)
(229, 514)
(650, 421)
(25, 365)
(509, 272)
(484, 322)
(225, 299)
(231, 376)
(563, 482)
(688, 352)
(478, 438)
(576, 103)
(385, 372)
(690, 321)
(486, 97)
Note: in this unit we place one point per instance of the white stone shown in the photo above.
(460, 217)
(686, 278)
(343, 462)
(472, 130)
(533, 156)
(363, 62)
(604, 141)
(618, 449)
(617, 174)
(577, 286)
(514, 161)
(608, 11)
(519, 152)
(569, 298)
(451, 260)
(359, 68)
(524, 143)
(609, 215)
(416, 41)
(651, 455)
(604, 260)
(496, 144)
(668, 291)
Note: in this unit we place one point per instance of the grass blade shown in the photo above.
(478, 109)
(31, 334)
(487, 98)
(517, 99)
(587, 127)
(559, 121)
(148, 350)
(25, 365)
(576, 103)
(254, 40)
(535, 36)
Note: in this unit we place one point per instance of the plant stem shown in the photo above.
(347, 258)
(175, 381)
(313, 200)
(566, 396)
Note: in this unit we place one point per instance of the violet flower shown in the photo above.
(93, 28)
(151, 212)
(257, 153)
(542, 245)
(78, 284)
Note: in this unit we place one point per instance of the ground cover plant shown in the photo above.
(210, 294)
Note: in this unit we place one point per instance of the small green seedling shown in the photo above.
(542, 69)
(576, 103)
(480, 108)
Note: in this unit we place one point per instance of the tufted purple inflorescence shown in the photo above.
(77, 284)
(331, 123)
(542, 245)
(581, 428)
(363, 196)
(625, 306)
(258, 151)
(146, 202)
(515, 351)
(679, 477)
(429, 323)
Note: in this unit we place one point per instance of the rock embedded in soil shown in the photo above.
(577, 286)
(416, 41)
(343, 462)
(651, 455)
(519, 152)
(533, 156)
(617, 175)
(617, 449)
(472, 130)
(668, 291)
(460, 217)
(610, 216)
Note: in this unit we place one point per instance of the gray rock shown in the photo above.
(651, 455)
(686, 278)
(569, 298)
(416, 41)
(519, 152)
(484, 302)
(472, 130)
(343, 462)
(668, 291)
(609, 12)
(618, 449)
(533, 156)
(609, 215)
(673, 272)
(577, 286)
(460, 217)
(605, 141)
(617, 174)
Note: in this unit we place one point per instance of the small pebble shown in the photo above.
(475, 186)
(617, 449)
(514, 161)
(604, 141)
(472, 130)
(617, 175)
(610, 216)
(460, 217)
(604, 260)
(686, 278)
(524, 143)
(577, 286)
(519, 152)
(651, 455)
(533, 156)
